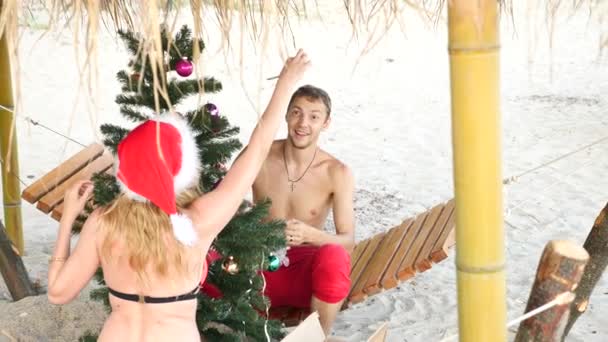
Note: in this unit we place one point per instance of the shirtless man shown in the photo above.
(304, 183)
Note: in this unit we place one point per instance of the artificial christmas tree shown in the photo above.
(232, 306)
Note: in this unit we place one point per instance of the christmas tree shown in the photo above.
(236, 308)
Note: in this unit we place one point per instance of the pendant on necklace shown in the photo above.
(293, 184)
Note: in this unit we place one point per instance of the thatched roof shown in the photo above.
(253, 18)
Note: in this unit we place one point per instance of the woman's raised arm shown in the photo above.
(214, 210)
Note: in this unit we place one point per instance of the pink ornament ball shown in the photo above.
(184, 67)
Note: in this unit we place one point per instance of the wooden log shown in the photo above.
(12, 268)
(559, 271)
(597, 247)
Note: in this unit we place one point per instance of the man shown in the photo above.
(304, 183)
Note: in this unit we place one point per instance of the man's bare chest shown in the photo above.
(308, 200)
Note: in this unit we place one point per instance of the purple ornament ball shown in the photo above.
(184, 67)
(212, 109)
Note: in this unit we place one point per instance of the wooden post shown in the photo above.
(8, 150)
(559, 270)
(12, 269)
(473, 35)
(597, 247)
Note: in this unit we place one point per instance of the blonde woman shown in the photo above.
(152, 240)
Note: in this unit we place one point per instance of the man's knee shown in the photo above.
(331, 273)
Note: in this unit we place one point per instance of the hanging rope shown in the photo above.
(561, 299)
(36, 123)
(12, 173)
(509, 180)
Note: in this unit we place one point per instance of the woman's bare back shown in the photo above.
(134, 321)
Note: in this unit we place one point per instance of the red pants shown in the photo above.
(323, 272)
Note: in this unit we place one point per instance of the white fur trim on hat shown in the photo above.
(189, 172)
(183, 229)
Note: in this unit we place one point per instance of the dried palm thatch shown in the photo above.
(251, 19)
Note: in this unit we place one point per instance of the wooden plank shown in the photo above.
(53, 198)
(62, 172)
(359, 249)
(364, 260)
(407, 268)
(440, 250)
(390, 246)
(390, 279)
(58, 211)
(377, 264)
(294, 317)
(357, 252)
(423, 262)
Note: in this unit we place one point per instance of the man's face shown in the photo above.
(306, 118)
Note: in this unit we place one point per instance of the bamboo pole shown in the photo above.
(596, 245)
(8, 151)
(474, 79)
(559, 271)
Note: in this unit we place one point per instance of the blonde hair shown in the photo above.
(146, 233)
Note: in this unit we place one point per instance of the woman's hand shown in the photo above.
(294, 69)
(76, 197)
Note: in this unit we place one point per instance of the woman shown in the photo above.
(152, 240)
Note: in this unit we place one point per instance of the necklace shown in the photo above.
(293, 182)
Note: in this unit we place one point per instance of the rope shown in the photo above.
(515, 178)
(560, 299)
(36, 123)
(559, 181)
(12, 173)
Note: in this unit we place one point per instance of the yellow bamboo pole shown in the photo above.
(474, 79)
(8, 151)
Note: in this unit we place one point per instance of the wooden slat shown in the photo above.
(423, 262)
(385, 255)
(62, 172)
(356, 256)
(407, 269)
(58, 210)
(294, 317)
(440, 251)
(357, 252)
(390, 279)
(278, 312)
(53, 198)
(363, 262)
(376, 264)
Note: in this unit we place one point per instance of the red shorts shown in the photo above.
(323, 272)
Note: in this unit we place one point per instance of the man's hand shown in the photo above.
(298, 232)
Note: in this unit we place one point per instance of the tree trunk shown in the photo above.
(597, 247)
(560, 269)
(14, 273)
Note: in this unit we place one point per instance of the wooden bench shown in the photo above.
(378, 263)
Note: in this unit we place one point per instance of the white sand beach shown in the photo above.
(391, 125)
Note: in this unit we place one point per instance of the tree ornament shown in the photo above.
(229, 265)
(184, 67)
(135, 77)
(212, 109)
(273, 262)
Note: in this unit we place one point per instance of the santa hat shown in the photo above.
(157, 160)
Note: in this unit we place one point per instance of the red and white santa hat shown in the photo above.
(157, 160)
